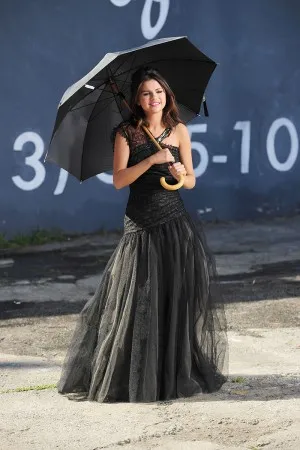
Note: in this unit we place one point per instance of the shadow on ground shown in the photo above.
(243, 388)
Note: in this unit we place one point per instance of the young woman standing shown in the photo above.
(155, 328)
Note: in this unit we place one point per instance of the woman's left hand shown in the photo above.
(176, 170)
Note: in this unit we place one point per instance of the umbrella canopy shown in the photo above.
(91, 108)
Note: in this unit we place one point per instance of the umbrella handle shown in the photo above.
(169, 187)
(172, 187)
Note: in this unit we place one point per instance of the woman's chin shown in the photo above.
(152, 111)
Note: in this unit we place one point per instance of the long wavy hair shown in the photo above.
(170, 116)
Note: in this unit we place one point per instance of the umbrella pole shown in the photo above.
(169, 187)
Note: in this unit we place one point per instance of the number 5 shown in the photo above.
(200, 148)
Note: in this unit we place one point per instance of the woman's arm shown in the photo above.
(186, 165)
(123, 175)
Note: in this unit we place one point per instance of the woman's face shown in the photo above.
(152, 97)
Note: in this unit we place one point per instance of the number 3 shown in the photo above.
(32, 160)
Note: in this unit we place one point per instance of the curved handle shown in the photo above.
(172, 187)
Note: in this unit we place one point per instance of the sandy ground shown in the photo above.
(42, 291)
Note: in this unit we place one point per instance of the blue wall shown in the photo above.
(253, 100)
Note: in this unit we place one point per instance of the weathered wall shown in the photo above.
(246, 153)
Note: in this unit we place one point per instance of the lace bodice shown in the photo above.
(149, 203)
(141, 147)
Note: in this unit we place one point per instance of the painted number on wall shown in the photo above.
(34, 161)
(149, 31)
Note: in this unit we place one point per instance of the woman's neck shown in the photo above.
(155, 122)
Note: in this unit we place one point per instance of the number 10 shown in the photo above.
(245, 127)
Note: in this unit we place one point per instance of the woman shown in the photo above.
(155, 328)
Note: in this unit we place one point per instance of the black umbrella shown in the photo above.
(92, 107)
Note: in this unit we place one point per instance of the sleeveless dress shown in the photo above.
(155, 328)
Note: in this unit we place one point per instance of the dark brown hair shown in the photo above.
(170, 115)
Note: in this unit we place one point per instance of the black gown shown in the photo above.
(155, 328)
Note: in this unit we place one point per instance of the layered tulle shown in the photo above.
(155, 328)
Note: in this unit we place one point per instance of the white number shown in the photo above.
(120, 2)
(105, 177)
(148, 30)
(288, 164)
(32, 160)
(200, 148)
(245, 127)
(62, 181)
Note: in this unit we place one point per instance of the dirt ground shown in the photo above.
(41, 294)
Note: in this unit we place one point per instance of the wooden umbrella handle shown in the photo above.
(169, 187)
(172, 187)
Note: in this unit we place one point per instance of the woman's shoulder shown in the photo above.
(181, 128)
(181, 131)
(181, 135)
(123, 128)
(126, 128)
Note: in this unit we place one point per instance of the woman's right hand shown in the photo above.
(162, 156)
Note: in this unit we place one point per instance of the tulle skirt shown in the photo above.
(155, 328)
